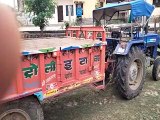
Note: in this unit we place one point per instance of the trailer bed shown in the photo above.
(52, 66)
(56, 43)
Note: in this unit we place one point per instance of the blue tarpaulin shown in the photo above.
(137, 7)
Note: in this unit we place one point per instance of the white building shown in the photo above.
(11, 3)
(156, 12)
(62, 11)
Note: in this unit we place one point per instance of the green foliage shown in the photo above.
(67, 24)
(42, 11)
(98, 23)
(78, 21)
(97, 5)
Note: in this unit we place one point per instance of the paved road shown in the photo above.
(86, 104)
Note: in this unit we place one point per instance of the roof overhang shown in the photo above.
(137, 7)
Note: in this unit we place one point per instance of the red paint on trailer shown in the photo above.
(57, 72)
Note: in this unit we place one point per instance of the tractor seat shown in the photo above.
(116, 34)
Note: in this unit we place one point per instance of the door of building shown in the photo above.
(60, 13)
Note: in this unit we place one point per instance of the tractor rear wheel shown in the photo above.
(156, 70)
(23, 109)
(130, 73)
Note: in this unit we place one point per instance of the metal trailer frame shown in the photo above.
(48, 72)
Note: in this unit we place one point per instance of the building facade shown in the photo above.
(63, 6)
(62, 11)
(10, 3)
(66, 10)
(156, 3)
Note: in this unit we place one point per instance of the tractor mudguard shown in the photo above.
(158, 41)
(124, 51)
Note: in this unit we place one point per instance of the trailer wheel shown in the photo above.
(156, 70)
(130, 73)
(22, 109)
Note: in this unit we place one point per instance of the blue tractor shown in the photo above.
(130, 48)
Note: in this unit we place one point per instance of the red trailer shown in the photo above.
(52, 66)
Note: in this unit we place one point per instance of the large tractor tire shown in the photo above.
(130, 73)
(23, 109)
(156, 70)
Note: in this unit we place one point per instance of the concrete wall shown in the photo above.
(54, 20)
(88, 7)
(10, 3)
(156, 12)
(64, 3)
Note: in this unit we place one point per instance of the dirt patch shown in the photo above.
(85, 104)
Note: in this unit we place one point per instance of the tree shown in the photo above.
(97, 5)
(42, 11)
(20, 4)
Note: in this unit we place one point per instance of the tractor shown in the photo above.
(130, 48)
(51, 67)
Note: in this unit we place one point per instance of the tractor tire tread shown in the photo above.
(121, 70)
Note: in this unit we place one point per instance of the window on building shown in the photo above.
(80, 5)
(156, 3)
(112, 1)
(67, 10)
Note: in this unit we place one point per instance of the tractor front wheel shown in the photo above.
(130, 73)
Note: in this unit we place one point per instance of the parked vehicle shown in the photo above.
(51, 67)
(129, 47)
